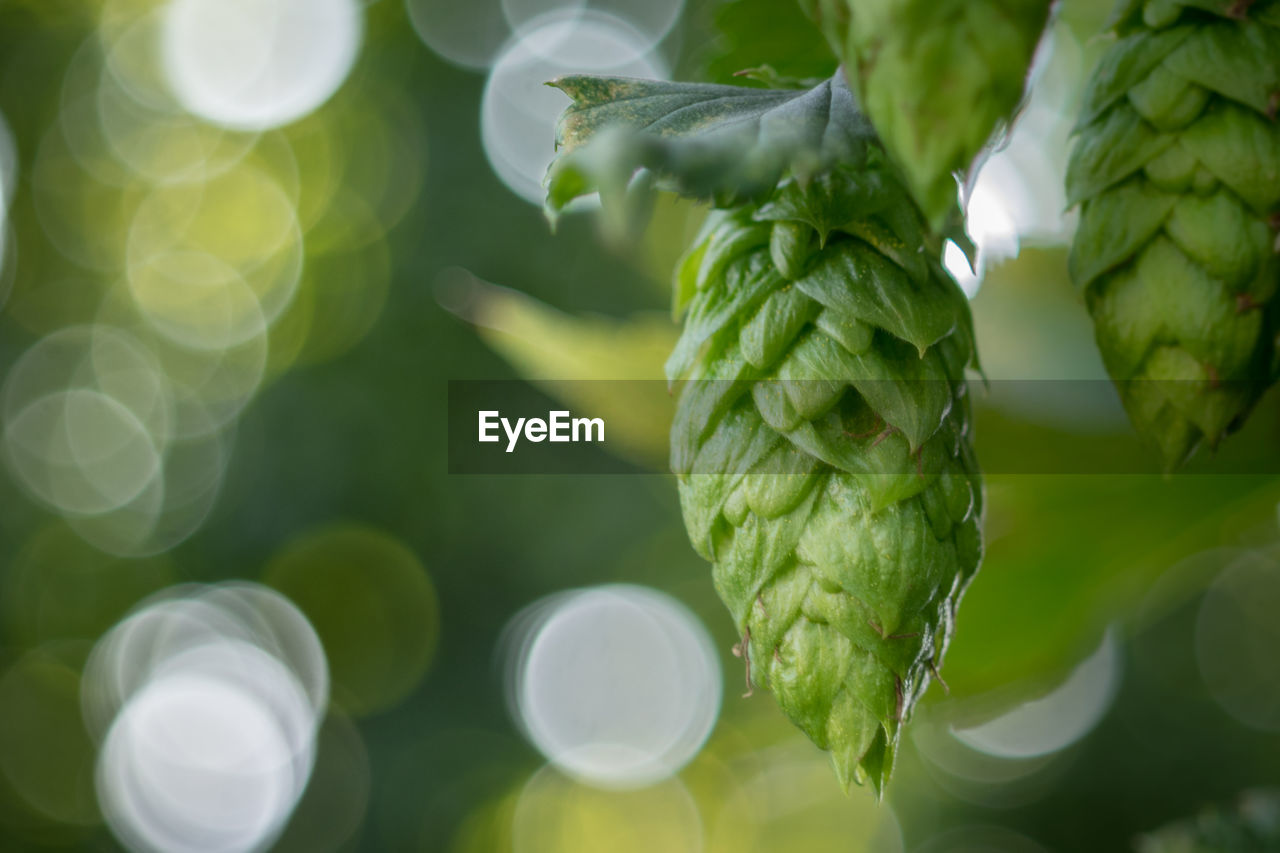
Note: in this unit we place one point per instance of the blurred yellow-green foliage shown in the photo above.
(225, 340)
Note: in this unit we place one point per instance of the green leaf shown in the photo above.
(558, 351)
(1045, 592)
(725, 144)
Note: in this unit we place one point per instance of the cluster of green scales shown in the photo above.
(1177, 170)
(822, 442)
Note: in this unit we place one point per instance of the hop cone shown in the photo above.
(1178, 171)
(937, 77)
(822, 450)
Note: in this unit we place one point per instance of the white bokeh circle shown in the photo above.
(258, 64)
(207, 702)
(618, 686)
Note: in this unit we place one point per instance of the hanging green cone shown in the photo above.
(1177, 170)
(937, 77)
(823, 456)
(822, 436)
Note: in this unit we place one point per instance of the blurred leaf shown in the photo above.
(1047, 590)
(770, 32)
(557, 351)
(1069, 554)
(675, 225)
(726, 144)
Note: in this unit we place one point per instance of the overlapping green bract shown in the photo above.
(1252, 827)
(822, 448)
(1177, 169)
(822, 435)
(937, 77)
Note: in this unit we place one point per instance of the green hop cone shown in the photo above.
(1177, 171)
(821, 440)
(1252, 827)
(822, 448)
(936, 77)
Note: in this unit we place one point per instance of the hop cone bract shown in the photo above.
(1177, 169)
(822, 449)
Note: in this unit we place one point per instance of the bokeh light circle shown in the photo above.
(554, 812)
(97, 357)
(106, 427)
(209, 388)
(981, 839)
(336, 800)
(1017, 751)
(211, 265)
(81, 452)
(57, 586)
(8, 181)
(207, 701)
(171, 508)
(654, 18)
(791, 804)
(1236, 638)
(46, 756)
(132, 113)
(8, 168)
(1059, 718)
(371, 603)
(258, 64)
(973, 776)
(618, 686)
(87, 414)
(197, 764)
(469, 35)
(519, 13)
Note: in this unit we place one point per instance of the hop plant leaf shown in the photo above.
(1177, 171)
(1252, 827)
(821, 440)
(728, 144)
(937, 77)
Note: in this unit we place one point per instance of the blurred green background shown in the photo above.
(227, 320)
